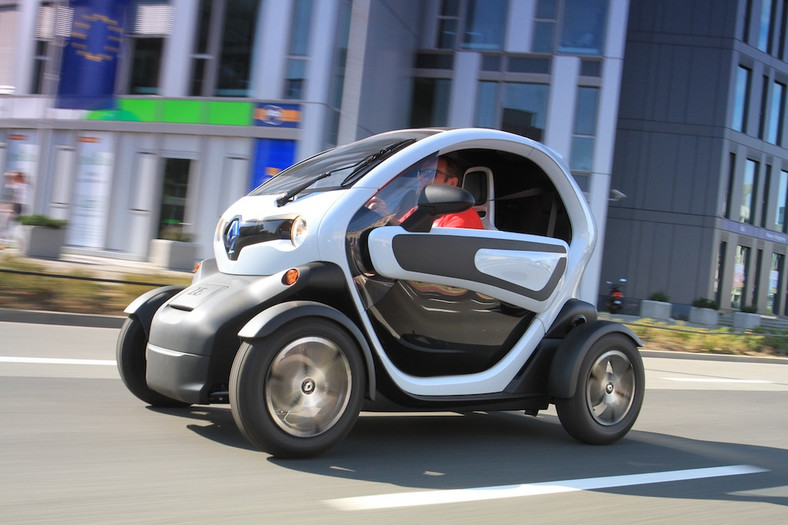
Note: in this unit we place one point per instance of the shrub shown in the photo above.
(749, 309)
(659, 296)
(702, 302)
(42, 220)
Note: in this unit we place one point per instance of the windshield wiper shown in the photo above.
(359, 168)
(290, 194)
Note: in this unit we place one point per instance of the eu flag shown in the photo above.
(90, 55)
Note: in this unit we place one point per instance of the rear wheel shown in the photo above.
(608, 394)
(130, 356)
(298, 392)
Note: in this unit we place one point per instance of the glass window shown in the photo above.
(221, 61)
(487, 104)
(764, 108)
(299, 50)
(296, 77)
(740, 270)
(485, 24)
(776, 114)
(719, 272)
(583, 27)
(145, 65)
(236, 52)
(52, 21)
(782, 202)
(544, 26)
(765, 26)
(529, 65)
(741, 100)
(727, 203)
(773, 298)
(430, 102)
(749, 187)
(300, 29)
(544, 33)
(482, 24)
(150, 26)
(173, 195)
(764, 201)
(582, 155)
(448, 24)
(524, 109)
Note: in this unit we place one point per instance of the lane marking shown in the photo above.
(720, 380)
(436, 497)
(57, 361)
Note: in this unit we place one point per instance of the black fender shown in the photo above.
(145, 306)
(565, 367)
(271, 319)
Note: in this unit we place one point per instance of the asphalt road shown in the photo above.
(711, 446)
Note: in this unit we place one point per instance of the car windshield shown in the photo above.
(337, 168)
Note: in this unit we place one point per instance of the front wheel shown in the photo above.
(298, 392)
(130, 356)
(608, 394)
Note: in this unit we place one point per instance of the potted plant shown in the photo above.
(657, 306)
(747, 318)
(174, 249)
(704, 312)
(42, 236)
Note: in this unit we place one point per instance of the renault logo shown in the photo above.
(231, 235)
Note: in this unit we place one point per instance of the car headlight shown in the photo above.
(298, 231)
(238, 233)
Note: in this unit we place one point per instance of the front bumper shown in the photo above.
(194, 336)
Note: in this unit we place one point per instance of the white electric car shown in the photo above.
(331, 291)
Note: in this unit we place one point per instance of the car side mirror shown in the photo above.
(436, 200)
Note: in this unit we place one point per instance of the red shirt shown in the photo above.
(466, 219)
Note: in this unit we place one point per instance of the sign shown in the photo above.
(90, 55)
(277, 115)
(271, 157)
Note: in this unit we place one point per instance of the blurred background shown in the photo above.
(142, 120)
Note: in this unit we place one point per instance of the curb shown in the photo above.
(11, 315)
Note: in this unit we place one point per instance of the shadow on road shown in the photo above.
(458, 451)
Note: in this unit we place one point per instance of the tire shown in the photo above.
(298, 392)
(609, 392)
(130, 356)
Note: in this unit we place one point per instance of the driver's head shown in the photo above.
(441, 170)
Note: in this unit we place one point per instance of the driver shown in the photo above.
(436, 170)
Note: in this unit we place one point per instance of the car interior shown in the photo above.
(513, 194)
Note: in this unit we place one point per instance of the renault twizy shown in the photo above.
(318, 305)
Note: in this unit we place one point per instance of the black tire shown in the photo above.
(130, 356)
(609, 392)
(298, 392)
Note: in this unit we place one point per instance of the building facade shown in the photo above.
(209, 97)
(701, 155)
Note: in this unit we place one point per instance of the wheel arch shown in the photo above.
(562, 381)
(145, 306)
(273, 318)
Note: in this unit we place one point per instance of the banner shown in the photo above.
(90, 55)
(92, 185)
(23, 157)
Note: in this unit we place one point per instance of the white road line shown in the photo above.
(436, 497)
(720, 380)
(57, 361)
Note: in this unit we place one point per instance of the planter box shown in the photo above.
(173, 255)
(655, 309)
(704, 316)
(745, 321)
(42, 242)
